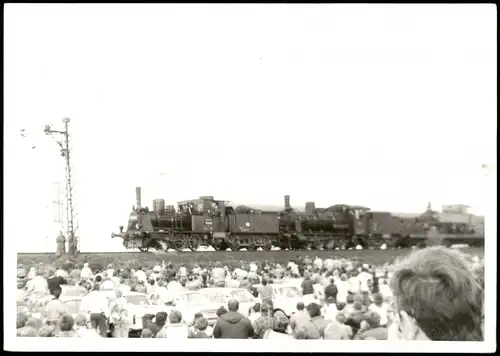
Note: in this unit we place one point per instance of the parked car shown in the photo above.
(73, 291)
(190, 303)
(138, 305)
(221, 296)
(285, 297)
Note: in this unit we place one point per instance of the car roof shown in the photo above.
(70, 298)
(224, 289)
(128, 294)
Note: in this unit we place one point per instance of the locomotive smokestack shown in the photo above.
(287, 202)
(310, 207)
(138, 197)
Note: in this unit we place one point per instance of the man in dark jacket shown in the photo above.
(331, 290)
(233, 325)
(307, 285)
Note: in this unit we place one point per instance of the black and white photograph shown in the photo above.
(250, 177)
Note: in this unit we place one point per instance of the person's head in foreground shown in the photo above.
(175, 317)
(146, 333)
(80, 321)
(436, 297)
(221, 311)
(47, 331)
(280, 324)
(201, 324)
(314, 310)
(161, 318)
(21, 320)
(234, 305)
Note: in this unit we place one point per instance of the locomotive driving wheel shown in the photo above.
(234, 244)
(320, 245)
(179, 242)
(330, 244)
(194, 242)
(267, 246)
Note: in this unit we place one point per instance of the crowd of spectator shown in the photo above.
(434, 293)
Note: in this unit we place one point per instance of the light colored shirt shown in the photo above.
(37, 286)
(107, 285)
(299, 319)
(183, 271)
(329, 265)
(254, 316)
(364, 277)
(337, 331)
(86, 273)
(173, 331)
(319, 291)
(232, 283)
(385, 290)
(62, 273)
(354, 285)
(55, 309)
(318, 263)
(116, 280)
(273, 335)
(330, 312)
(174, 287)
(218, 274)
(253, 267)
(141, 275)
(381, 310)
(342, 290)
(84, 332)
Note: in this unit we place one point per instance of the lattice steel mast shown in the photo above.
(64, 143)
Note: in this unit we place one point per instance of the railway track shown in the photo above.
(377, 257)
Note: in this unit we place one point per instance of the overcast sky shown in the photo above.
(385, 106)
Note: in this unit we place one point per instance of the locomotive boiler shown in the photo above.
(339, 226)
(199, 222)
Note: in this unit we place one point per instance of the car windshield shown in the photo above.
(73, 306)
(195, 299)
(290, 292)
(242, 296)
(137, 299)
(74, 292)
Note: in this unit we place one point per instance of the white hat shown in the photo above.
(157, 269)
(85, 264)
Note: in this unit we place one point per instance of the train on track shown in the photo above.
(209, 222)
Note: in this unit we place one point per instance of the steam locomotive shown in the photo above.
(209, 222)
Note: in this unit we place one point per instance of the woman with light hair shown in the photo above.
(81, 327)
(437, 296)
(176, 329)
(119, 315)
